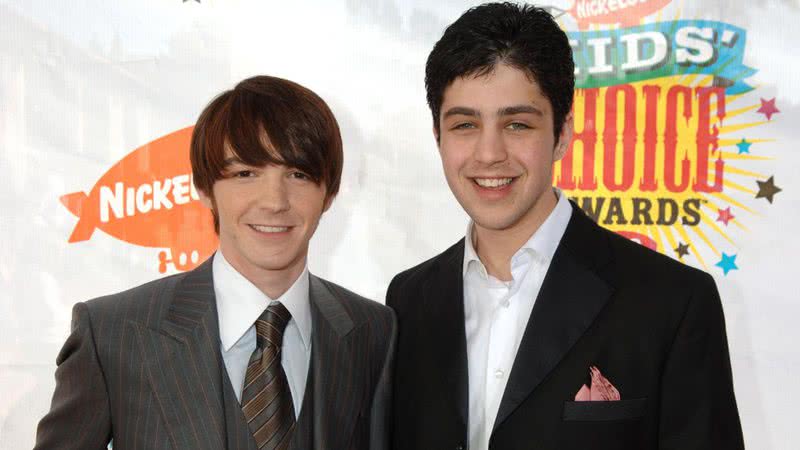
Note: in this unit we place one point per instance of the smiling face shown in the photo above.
(497, 147)
(267, 216)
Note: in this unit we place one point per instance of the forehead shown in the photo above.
(501, 87)
(256, 149)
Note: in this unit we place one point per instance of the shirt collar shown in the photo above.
(240, 302)
(542, 244)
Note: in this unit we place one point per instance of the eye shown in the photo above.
(518, 126)
(463, 126)
(243, 174)
(298, 175)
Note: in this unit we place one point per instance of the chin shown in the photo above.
(274, 264)
(490, 222)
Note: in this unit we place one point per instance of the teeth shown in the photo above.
(493, 182)
(266, 229)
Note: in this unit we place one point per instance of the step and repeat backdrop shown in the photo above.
(686, 141)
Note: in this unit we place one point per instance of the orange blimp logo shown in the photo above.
(610, 12)
(148, 199)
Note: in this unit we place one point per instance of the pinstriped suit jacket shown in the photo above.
(143, 367)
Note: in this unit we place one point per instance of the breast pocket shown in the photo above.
(603, 425)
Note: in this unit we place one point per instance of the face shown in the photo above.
(497, 147)
(267, 216)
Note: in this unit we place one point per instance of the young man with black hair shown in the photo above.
(249, 351)
(539, 329)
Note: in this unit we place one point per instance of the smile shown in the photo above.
(493, 183)
(269, 229)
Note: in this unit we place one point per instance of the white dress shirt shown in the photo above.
(239, 304)
(496, 314)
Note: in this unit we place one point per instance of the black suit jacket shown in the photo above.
(144, 368)
(653, 326)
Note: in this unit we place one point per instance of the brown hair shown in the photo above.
(267, 120)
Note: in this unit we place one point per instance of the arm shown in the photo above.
(79, 416)
(380, 416)
(698, 407)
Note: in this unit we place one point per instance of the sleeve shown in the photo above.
(380, 416)
(698, 407)
(79, 416)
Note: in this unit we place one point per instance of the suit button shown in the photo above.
(459, 447)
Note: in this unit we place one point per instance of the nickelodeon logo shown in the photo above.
(125, 201)
(610, 12)
(148, 199)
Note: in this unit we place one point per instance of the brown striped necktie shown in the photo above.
(266, 398)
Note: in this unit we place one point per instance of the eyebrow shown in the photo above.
(461, 111)
(230, 161)
(520, 109)
(506, 111)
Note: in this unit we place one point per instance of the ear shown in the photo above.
(564, 138)
(328, 203)
(206, 199)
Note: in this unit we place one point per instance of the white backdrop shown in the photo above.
(83, 83)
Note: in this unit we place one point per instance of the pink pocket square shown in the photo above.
(601, 389)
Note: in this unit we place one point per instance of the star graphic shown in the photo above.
(725, 215)
(727, 263)
(744, 146)
(682, 250)
(768, 108)
(767, 189)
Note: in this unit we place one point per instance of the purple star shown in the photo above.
(768, 108)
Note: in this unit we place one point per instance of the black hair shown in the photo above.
(521, 36)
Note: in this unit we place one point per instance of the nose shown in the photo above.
(490, 148)
(273, 194)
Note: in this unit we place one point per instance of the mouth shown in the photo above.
(495, 183)
(269, 229)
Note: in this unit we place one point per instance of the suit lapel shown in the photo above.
(338, 360)
(183, 362)
(570, 298)
(445, 338)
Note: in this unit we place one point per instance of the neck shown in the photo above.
(496, 247)
(273, 283)
(276, 284)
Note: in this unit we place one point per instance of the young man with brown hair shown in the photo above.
(248, 351)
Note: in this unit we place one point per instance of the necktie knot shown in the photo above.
(271, 324)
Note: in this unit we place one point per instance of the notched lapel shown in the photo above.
(338, 361)
(446, 340)
(184, 365)
(571, 297)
